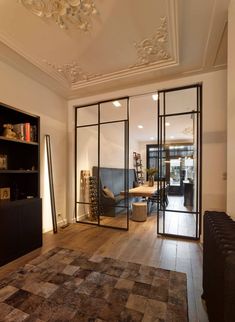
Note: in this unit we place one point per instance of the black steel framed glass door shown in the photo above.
(102, 164)
(179, 162)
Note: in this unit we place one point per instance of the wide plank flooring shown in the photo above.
(140, 244)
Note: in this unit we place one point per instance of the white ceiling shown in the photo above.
(130, 42)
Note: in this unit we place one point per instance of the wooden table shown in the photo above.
(142, 191)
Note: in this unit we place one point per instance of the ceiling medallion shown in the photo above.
(65, 13)
(153, 49)
(73, 73)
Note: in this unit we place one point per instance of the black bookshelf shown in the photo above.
(21, 206)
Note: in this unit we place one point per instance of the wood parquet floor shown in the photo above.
(140, 244)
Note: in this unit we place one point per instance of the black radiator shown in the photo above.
(219, 266)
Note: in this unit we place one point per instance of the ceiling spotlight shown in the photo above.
(140, 126)
(151, 138)
(155, 97)
(117, 104)
(167, 124)
(172, 137)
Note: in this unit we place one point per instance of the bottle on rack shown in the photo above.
(138, 167)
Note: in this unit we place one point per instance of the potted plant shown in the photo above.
(151, 173)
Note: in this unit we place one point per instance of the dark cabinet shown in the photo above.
(20, 203)
(20, 228)
(9, 233)
(30, 222)
(188, 194)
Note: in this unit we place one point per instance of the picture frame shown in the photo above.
(3, 162)
(5, 193)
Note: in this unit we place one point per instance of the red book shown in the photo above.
(27, 132)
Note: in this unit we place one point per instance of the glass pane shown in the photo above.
(114, 217)
(113, 111)
(175, 223)
(112, 175)
(181, 162)
(87, 115)
(87, 185)
(181, 101)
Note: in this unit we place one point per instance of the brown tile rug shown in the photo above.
(68, 285)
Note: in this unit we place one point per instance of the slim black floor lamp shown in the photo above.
(50, 174)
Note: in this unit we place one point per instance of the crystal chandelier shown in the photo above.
(65, 13)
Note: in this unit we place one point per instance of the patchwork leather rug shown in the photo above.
(68, 285)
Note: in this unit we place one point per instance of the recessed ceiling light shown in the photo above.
(155, 97)
(167, 124)
(140, 126)
(151, 138)
(117, 104)
(172, 137)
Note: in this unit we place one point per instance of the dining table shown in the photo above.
(144, 190)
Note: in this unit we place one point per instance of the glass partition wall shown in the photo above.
(102, 169)
(179, 161)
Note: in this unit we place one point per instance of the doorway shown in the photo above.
(179, 162)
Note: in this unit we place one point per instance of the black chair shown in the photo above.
(160, 197)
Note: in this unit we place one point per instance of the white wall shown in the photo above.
(21, 92)
(231, 111)
(214, 133)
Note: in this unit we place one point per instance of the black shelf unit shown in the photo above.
(21, 214)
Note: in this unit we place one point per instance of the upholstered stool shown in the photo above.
(139, 211)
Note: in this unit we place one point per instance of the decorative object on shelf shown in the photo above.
(5, 193)
(151, 173)
(8, 131)
(137, 162)
(66, 13)
(3, 162)
(85, 174)
(33, 133)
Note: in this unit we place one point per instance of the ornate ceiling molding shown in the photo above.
(153, 49)
(66, 13)
(72, 72)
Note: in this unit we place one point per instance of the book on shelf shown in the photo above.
(25, 132)
(19, 130)
(33, 133)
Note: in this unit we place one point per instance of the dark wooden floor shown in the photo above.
(140, 244)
